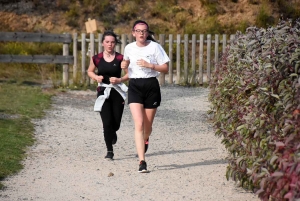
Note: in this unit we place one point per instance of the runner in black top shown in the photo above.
(108, 64)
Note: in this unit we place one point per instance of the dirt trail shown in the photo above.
(186, 160)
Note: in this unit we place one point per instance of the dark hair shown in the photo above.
(151, 33)
(111, 33)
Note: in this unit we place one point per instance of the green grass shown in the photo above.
(19, 104)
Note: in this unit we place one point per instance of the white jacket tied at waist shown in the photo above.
(121, 88)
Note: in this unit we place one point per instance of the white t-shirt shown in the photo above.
(152, 53)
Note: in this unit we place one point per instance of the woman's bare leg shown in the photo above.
(137, 112)
(149, 115)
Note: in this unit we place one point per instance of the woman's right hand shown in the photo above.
(125, 64)
(98, 78)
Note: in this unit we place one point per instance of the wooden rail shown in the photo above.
(64, 59)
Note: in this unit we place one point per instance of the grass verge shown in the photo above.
(19, 104)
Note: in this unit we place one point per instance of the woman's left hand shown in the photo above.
(115, 80)
(143, 63)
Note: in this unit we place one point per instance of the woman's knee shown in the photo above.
(139, 126)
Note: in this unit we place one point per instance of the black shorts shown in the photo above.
(145, 91)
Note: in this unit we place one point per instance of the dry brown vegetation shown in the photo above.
(168, 16)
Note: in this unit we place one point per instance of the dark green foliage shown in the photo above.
(208, 25)
(211, 6)
(264, 19)
(129, 10)
(255, 96)
(288, 9)
(254, 1)
(72, 15)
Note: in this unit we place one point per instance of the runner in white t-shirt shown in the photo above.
(145, 59)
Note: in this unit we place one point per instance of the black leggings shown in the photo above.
(111, 115)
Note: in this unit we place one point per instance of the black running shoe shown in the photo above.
(146, 145)
(114, 141)
(143, 167)
(109, 155)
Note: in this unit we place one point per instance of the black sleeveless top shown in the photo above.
(108, 69)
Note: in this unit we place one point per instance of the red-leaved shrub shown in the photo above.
(255, 99)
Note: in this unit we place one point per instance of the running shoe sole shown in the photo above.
(144, 171)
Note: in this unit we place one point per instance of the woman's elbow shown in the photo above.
(166, 68)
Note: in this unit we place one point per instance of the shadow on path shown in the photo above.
(176, 166)
(130, 156)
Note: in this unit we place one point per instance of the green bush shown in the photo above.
(165, 10)
(63, 4)
(208, 25)
(255, 2)
(255, 96)
(288, 9)
(129, 11)
(212, 7)
(233, 27)
(72, 15)
(264, 19)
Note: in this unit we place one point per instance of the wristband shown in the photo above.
(153, 68)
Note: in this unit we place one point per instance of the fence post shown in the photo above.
(216, 51)
(92, 53)
(83, 57)
(100, 47)
(171, 58)
(201, 59)
(124, 43)
(185, 59)
(118, 47)
(65, 66)
(208, 56)
(75, 40)
(92, 45)
(162, 43)
(130, 38)
(224, 43)
(178, 59)
(193, 78)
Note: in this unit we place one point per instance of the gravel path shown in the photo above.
(186, 160)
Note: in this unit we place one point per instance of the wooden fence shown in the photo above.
(64, 59)
(191, 60)
(190, 52)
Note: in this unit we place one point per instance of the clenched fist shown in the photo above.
(115, 80)
(143, 63)
(125, 64)
(98, 78)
